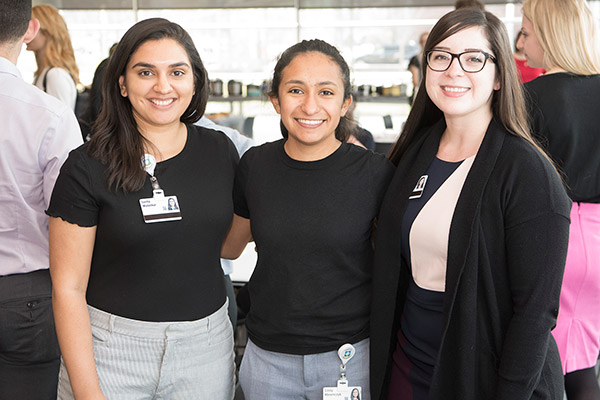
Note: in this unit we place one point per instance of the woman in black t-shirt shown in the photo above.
(138, 296)
(308, 201)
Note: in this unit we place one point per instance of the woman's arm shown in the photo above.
(536, 228)
(237, 238)
(71, 248)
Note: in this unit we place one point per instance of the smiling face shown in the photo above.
(457, 93)
(530, 46)
(159, 83)
(311, 102)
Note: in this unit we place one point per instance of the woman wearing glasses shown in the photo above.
(472, 235)
(559, 36)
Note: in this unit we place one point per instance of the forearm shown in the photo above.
(237, 238)
(536, 256)
(75, 338)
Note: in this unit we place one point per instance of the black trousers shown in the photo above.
(29, 352)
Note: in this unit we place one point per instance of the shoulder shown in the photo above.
(29, 99)
(527, 176)
(208, 135)
(558, 84)
(58, 73)
(268, 149)
(376, 161)
(242, 143)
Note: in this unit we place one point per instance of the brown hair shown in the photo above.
(508, 103)
(116, 140)
(59, 50)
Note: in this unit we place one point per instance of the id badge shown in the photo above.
(160, 208)
(342, 392)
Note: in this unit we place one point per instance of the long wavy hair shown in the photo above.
(508, 103)
(116, 140)
(58, 51)
(346, 125)
(568, 34)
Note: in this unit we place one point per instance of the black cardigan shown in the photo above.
(506, 255)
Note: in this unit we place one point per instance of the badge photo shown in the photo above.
(160, 208)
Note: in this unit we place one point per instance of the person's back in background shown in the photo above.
(37, 134)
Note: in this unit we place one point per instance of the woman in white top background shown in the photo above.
(57, 72)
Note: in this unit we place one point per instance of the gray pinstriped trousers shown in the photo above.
(161, 360)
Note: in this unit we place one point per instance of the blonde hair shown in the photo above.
(567, 33)
(59, 50)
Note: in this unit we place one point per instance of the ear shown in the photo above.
(346, 105)
(497, 85)
(32, 30)
(275, 102)
(122, 86)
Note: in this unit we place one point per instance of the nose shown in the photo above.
(310, 103)
(454, 68)
(520, 43)
(162, 84)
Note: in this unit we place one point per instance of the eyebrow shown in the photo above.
(146, 65)
(448, 49)
(299, 82)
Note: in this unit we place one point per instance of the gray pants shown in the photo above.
(267, 375)
(161, 360)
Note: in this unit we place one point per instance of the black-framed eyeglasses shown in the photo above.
(470, 61)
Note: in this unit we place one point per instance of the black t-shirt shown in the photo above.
(165, 271)
(566, 120)
(311, 289)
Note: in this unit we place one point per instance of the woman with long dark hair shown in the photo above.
(472, 234)
(138, 296)
(309, 202)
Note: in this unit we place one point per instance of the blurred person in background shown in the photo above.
(526, 73)
(57, 73)
(561, 36)
(38, 131)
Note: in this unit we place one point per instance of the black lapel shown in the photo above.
(467, 211)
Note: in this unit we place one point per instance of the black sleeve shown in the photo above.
(536, 232)
(242, 175)
(72, 198)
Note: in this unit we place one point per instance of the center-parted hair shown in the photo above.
(116, 140)
(14, 19)
(508, 102)
(346, 125)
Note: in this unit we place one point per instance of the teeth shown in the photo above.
(310, 121)
(161, 102)
(455, 89)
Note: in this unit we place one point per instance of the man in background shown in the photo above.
(36, 134)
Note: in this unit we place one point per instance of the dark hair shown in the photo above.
(116, 140)
(14, 19)
(508, 102)
(346, 126)
(469, 3)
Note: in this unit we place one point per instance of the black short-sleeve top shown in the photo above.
(312, 222)
(164, 271)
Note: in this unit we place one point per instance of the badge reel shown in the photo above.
(343, 391)
(158, 208)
